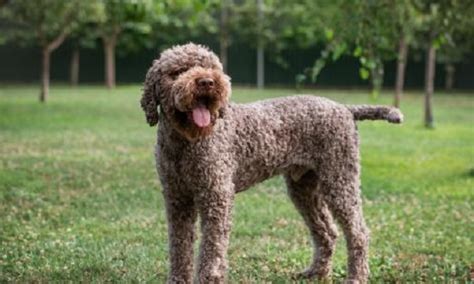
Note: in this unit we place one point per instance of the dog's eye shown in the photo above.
(176, 73)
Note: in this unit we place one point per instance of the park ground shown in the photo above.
(80, 201)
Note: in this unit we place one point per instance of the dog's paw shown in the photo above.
(323, 276)
(352, 281)
(173, 279)
(212, 279)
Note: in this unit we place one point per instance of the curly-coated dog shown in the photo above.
(209, 149)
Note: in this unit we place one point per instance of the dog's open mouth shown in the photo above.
(200, 115)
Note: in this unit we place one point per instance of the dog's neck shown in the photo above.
(166, 129)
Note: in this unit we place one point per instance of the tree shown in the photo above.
(264, 24)
(439, 20)
(212, 17)
(119, 17)
(224, 36)
(406, 21)
(359, 28)
(83, 35)
(401, 64)
(376, 37)
(130, 25)
(260, 46)
(371, 31)
(429, 79)
(178, 21)
(439, 23)
(46, 23)
(459, 42)
(74, 65)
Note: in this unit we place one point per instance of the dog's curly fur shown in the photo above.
(311, 141)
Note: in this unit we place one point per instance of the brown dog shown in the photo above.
(209, 149)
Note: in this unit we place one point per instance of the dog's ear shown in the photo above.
(151, 94)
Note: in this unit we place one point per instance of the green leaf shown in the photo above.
(364, 73)
(338, 51)
(329, 34)
(357, 51)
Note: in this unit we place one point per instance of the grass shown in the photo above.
(80, 201)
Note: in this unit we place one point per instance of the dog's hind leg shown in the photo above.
(340, 184)
(312, 207)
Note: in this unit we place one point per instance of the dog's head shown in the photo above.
(188, 83)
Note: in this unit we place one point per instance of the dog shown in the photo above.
(208, 149)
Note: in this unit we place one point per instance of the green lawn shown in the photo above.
(79, 197)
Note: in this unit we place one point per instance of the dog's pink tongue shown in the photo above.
(201, 116)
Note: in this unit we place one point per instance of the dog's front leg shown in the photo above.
(181, 214)
(215, 209)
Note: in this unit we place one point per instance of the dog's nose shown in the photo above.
(205, 82)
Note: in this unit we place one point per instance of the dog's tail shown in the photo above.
(363, 112)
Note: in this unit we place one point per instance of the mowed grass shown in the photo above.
(80, 200)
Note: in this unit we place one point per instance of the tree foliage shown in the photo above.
(43, 23)
(370, 31)
(458, 38)
(134, 25)
(177, 21)
(366, 30)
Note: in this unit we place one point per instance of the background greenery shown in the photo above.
(80, 201)
(299, 41)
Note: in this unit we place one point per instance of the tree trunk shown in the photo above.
(46, 55)
(260, 48)
(74, 72)
(109, 55)
(400, 80)
(260, 67)
(224, 33)
(429, 84)
(449, 80)
(48, 48)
